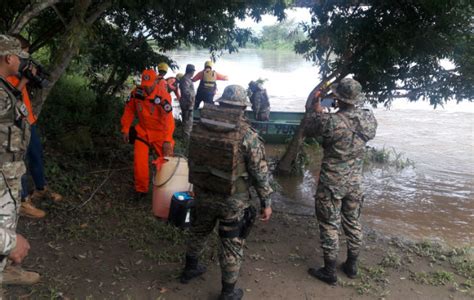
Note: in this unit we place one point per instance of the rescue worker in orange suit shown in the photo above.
(207, 86)
(151, 103)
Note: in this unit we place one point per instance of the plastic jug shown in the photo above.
(171, 178)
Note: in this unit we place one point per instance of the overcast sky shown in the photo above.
(297, 14)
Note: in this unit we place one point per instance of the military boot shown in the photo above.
(350, 266)
(46, 193)
(192, 269)
(326, 273)
(13, 275)
(229, 292)
(27, 209)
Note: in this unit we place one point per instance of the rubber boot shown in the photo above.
(350, 266)
(326, 273)
(27, 209)
(14, 275)
(229, 292)
(192, 269)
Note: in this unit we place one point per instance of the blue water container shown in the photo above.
(180, 209)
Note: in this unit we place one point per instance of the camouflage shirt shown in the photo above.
(259, 100)
(257, 168)
(188, 94)
(14, 136)
(344, 136)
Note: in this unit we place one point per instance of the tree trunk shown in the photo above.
(119, 82)
(69, 47)
(29, 13)
(285, 166)
(110, 81)
(75, 31)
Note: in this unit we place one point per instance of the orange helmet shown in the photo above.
(148, 77)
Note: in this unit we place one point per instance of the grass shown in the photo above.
(372, 281)
(435, 278)
(386, 157)
(391, 260)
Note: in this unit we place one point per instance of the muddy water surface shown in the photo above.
(433, 200)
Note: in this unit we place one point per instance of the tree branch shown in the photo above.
(29, 13)
(99, 10)
(60, 16)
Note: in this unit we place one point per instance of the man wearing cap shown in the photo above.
(207, 86)
(226, 158)
(34, 154)
(186, 103)
(14, 134)
(150, 102)
(339, 195)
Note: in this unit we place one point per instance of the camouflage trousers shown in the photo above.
(10, 186)
(211, 209)
(331, 212)
(187, 118)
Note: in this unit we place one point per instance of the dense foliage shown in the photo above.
(112, 36)
(394, 48)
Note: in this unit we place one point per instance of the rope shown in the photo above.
(172, 174)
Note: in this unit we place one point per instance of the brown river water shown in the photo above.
(432, 200)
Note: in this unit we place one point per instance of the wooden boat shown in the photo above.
(279, 130)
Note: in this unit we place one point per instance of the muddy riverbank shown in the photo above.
(113, 248)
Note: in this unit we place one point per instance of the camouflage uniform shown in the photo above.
(212, 208)
(260, 102)
(14, 136)
(339, 191)
(186, 103)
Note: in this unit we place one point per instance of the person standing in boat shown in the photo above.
(259, 100)
(207, 86)
(339, 195)
(186, 103)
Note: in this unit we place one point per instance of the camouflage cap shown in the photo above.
(349, 91)
(11, 46)
(234, 95)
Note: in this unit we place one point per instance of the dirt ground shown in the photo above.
(112, 247)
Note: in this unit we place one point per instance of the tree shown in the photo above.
(67, 27)
(283, 35)
(393, 48)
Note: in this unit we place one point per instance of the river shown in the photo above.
(432, 200)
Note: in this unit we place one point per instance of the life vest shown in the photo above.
(208, 81)
(216, 162)
(172, 84)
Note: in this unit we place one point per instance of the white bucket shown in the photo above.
(171, 178)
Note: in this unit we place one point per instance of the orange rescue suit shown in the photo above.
(155, 127)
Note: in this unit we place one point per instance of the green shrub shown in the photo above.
(74, 117)
(68, 107)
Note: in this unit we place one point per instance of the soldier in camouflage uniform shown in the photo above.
(339, 194)
(14, 136)
(186, 102)
(233, 212)
(259, 100)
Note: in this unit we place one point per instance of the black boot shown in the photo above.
(230, 293)
(350, 266)
(192, 269)
(327, 273)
